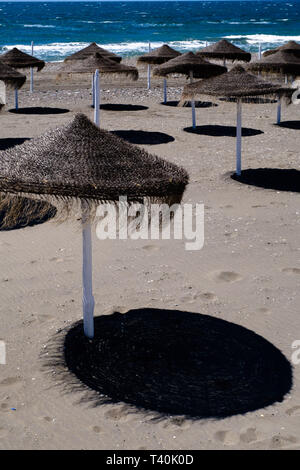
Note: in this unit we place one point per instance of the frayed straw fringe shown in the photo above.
(25, 206)
(249, 98)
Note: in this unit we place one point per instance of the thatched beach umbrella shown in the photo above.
(91, 50)
(79, 166)
(192, 66)
(281, 62)
(236, 84)
(224, 50)
(11, 77)
(104, 65)
(290, 46)
(20, 60)
(156, 57)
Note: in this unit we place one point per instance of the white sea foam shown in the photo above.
(38, 26)
(268, 39)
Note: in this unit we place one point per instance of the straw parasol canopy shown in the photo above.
(79, 161)
(159, 56)
(290, 46)
(19, 60)
(234, 84)
(279, 62)
(224, 50)
(98, 62)
(187, 63)
(91, 50)
(11, 77)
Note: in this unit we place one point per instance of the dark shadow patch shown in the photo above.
(39, 110)
(171, 362)
(271, 178)
(187, 104)
(8, 143)
(222, 131)
(144, 137)
(19, 212)
(251, 100)
(289, 124)
(122, 107)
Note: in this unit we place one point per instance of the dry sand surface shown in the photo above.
(248, 272)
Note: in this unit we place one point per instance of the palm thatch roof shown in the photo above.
(97, 61)
(79, 161)
(20, 60)
(280, 62)
(159, 56)
(234, 84)
(90, 50)
(290, 46)
(11, 77)
(224, 49)
(189, 62)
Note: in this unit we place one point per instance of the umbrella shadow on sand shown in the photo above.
(122, 107)
(222, 131)
(198, 104)
(144, 137)
(270, 178)
(39, 110)
(289, 124)
(170, 362)
(10, 142)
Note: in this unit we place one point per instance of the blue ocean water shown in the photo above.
(61, 28)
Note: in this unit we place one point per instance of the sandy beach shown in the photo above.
(247, 273)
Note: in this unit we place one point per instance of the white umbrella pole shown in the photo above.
(88, 301)
(97, 98)
(193, 104)
(16, 99)
(149, 71)
(93, 90)
(31, 71)
(286, 81)
(239, 138)
(259, 51)
(279, 110)
(165, 90)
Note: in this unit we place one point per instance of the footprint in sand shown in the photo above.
(4, 406)
(44, 318)
(228, 438)
(249, 436)
(291, 270)
(279, 442)
(10, 381)
(295, 410)
(151, 247)
(97, 429)
(227, 276)
(48, 419)
(264, 310)
(208, 296)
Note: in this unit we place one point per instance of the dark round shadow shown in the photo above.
(187, 104)
(122, 107)
(144, 137)
(289, 124)
(19, 212)
(10, 142)
(271, 178)
(177, 362)
(39, 110)
(251, 100)
(222, 131)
